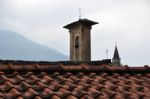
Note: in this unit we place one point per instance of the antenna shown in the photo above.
(79, 13)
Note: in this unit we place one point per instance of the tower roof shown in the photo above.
(85, 21)
(116, 54)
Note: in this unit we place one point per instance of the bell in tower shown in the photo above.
(80, 39)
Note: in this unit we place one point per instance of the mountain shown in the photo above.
(14, 46)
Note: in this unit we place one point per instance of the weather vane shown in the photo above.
(79, 13)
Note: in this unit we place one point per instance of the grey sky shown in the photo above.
(126, 22)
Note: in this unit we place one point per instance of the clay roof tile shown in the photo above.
(93, 92)
(13, 93)
(40, 80)
(47, 93)
(71, 97)
(55, 97)
(30, 93)
(86, 97)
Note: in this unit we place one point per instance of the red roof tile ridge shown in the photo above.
(30, 93)
(86, 97)
(55, 97)
(82, 67)
(71, 97)
(47, 92)
(13, 93)
(25, 85)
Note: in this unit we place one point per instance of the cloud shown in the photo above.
(123, 21)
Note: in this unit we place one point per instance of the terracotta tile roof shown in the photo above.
(57, 81)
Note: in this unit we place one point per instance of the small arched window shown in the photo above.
(77, 42)
(76, 48)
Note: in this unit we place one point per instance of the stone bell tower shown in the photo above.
(80, 39)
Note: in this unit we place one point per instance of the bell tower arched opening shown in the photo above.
(76, 45)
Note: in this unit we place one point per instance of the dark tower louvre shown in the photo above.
(80, 39)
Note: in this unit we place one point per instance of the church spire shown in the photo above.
(116, 54)
(116, 58)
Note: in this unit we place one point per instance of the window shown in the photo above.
(76, 48)
(77, 42)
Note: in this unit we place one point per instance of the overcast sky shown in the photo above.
(126, 22)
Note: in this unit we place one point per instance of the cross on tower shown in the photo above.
(107, 52)
(79, 13)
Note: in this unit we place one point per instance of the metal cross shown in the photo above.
(79, 13)
(107, 52)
